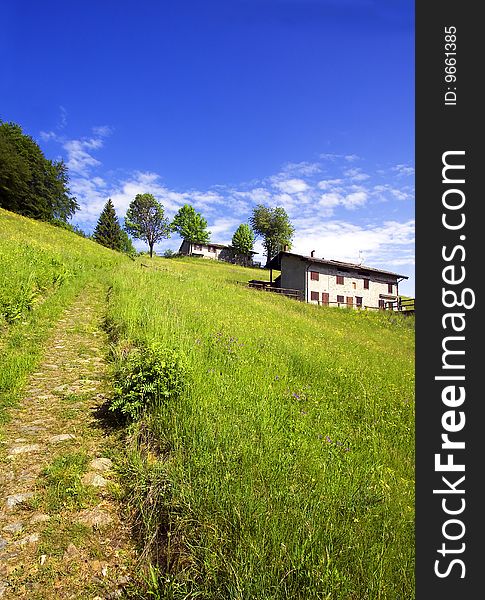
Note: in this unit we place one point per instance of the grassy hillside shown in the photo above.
(42, 268)
(285, 469)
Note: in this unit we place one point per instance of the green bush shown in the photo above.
(146, 378)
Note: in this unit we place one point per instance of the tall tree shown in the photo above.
(190, 225)
(30, 184)
(108, 231)
(273, 225)
(145, 220)
(243, 243)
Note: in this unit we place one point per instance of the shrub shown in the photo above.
(146, 378)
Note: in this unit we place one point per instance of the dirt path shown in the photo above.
(61, 535)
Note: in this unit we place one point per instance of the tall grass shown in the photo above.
(286, 470)
(42, 269)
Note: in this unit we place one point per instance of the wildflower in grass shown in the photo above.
(277, 378)
(328, 439)
(296, 396)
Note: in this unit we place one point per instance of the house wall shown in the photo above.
(294, 272)
(204, 250)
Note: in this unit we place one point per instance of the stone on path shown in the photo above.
(92, 478)
(95, 517)
(101, 464)
(62, 437)
(15, 499)
(70, 552)
(39, 518)
(29, 539)
(23, 449)
(13, 527)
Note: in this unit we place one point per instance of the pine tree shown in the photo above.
(108, 231)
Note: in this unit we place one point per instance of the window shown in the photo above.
(314, 296)
(340, 299)
(366, 284)
(325, 298)
(197, 247)
(390, 288)
(314, 275)
(354, 285)
(340, 279)
(358, 300)
(382, 304)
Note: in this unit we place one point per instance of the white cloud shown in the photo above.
(301, 168)
(403, 170)
(356, 175)
(334, 157)
(342, 240)
(291, 186)
(326, 184)
(79, 161)
(330, 200)
(355, 199)
(257, 195)
(223, 228)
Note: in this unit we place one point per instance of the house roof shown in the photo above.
(275, 263)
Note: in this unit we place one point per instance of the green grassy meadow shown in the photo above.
(286, 468)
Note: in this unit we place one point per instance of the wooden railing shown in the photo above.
(404, 306)
(265, 286)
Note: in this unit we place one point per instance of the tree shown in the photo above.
(108, 230)
(145, 220)
(30, 184)
(243, 243)
(273, 225)
(190, 225)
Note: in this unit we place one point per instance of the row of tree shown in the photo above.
(145, 220)
(36, 187)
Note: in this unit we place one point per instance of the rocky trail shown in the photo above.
(61, 530)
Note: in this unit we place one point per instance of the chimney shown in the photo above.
(285, 248)
(312, 253)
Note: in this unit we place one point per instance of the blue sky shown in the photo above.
(305, 104)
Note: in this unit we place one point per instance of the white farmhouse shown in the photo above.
(215, 252)
(335, 283)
